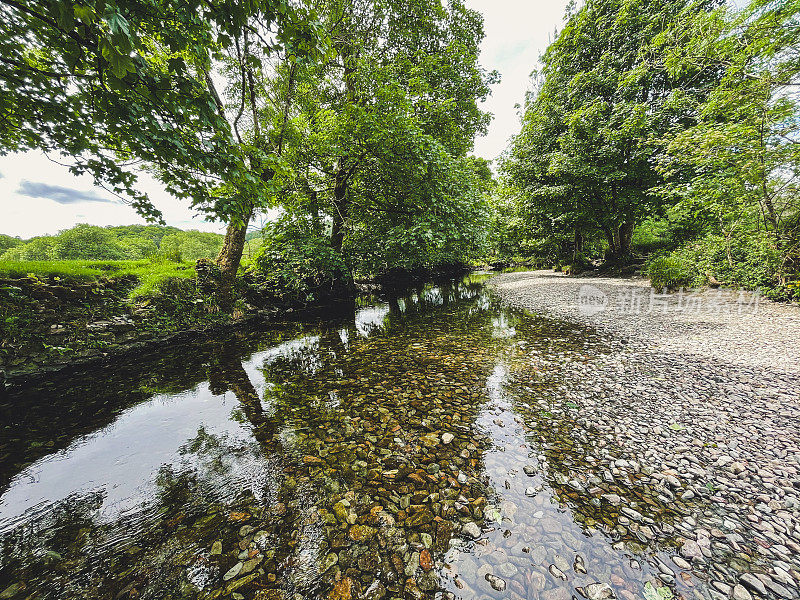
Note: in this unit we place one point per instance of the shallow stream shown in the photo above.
(421, 449)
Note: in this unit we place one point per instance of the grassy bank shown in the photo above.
(149, 273)
(55, 310)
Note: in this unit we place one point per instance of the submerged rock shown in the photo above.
(343, 590)
(691, 550)
(233, 571)
(329, 561)
(599, 591)
(251, 564)
(753, 583)
(497, 583)
(428, 582)
(425, 560)
(472, 530)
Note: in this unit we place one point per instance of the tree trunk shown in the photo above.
(340, 208)
(341, 182)
(229, 259)
(578, 250)
(771, 215)
(625, 236)
(394, 306)
(612, 235)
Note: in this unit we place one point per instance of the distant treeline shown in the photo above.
(121, 242)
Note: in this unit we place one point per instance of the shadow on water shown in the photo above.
(419, 449)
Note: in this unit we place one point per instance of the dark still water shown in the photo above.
(419, 450)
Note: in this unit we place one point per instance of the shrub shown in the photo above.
(748, 260)
(36, 249)
(87, 242)
(296, 263)
(793, 290)
(671, 272)
(6, 242)
(84, 242)
(651, 236)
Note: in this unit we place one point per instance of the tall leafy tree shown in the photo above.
(378, 135)
(111, 84)
(742, 155)
(585, 155)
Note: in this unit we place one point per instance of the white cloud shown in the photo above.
(517, 33)
(58, 193)
(38, 197)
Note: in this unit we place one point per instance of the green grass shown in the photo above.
(149, 273)
(671, 272)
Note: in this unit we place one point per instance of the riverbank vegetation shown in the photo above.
(121, 242)
(357, 116)
(149, 274)
(666, 129)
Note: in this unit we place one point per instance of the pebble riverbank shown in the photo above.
(703, 395)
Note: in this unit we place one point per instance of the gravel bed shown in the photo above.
(706, 392)
(734, 327)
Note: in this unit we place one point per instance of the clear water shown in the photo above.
(419, 449)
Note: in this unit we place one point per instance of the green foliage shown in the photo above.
(737, 166)
(372, 138)
(651, 235)
(744, 260)
(671, 272)
(791, 292)
(152, 232)
(150, 274)
(110, 84)
(451, 229)
(679, 117)
(176, 304)
(35, 249)
(584, 158)
(6, 242)
(377, 138)
(190, 245)
(124, 242)
(87, 242)
(251, 249)
(137, 247)
(154, 274)
(296, 262)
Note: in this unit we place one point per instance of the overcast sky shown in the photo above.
(40, 197)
